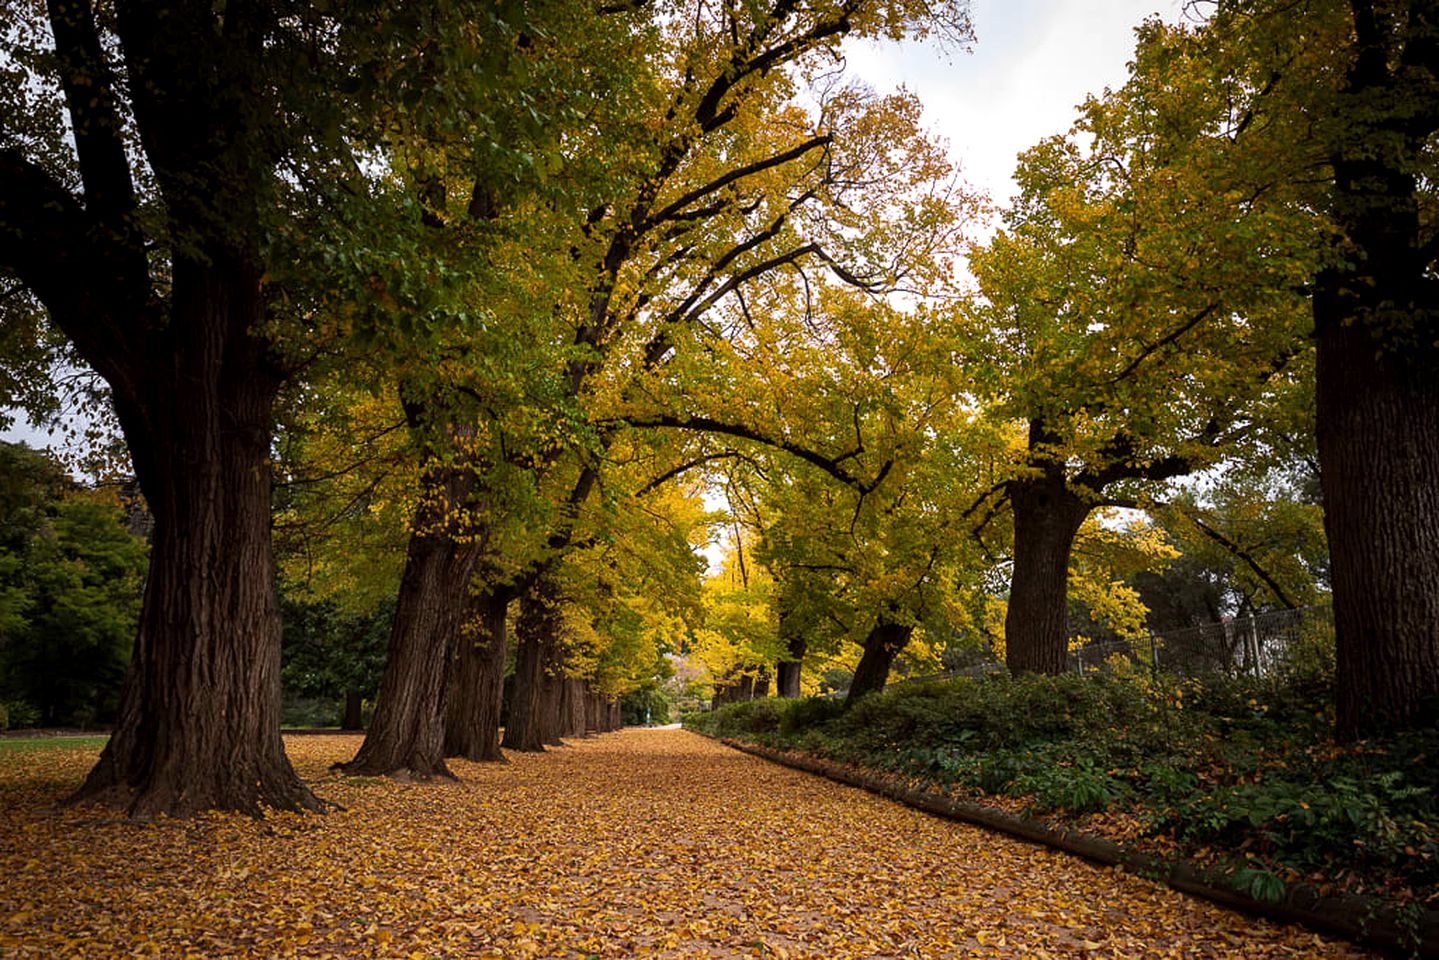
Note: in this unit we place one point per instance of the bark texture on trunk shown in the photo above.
(593, 724)
(788, 678)
(406, 738)
(475, 686)
(787, 671)
(353, 718)
(191, 377)
(199, 719)
(1379, 451)
(1377, 385)
(1047, 516)
(535, 632)
(575, 696)
(884, 641)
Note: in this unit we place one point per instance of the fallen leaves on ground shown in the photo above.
(653, 843)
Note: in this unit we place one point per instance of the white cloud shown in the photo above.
(1033, 62)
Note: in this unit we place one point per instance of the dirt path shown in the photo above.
(643, 843)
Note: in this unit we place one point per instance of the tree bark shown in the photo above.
(592, 712)
(199, 720)
(552, 691)
(787, 672)
(192, 381)
(476, 682)
(885, 640)
(574, 708)
(353, 718)
(1377, 392)
(1047, 517)
(406, 738)
(535, 631)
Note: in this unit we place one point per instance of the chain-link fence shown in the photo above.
(1265, 644)
(1261, 645)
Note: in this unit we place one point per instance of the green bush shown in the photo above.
(809, 712)
(16, 714)
(738, 719)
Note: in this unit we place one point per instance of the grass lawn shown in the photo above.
(23, 744)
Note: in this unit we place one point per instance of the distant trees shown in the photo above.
(70, 580)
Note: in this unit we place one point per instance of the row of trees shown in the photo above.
(498, 288)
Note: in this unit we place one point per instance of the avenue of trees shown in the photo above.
(445, 321)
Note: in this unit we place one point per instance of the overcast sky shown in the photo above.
(1033, 61)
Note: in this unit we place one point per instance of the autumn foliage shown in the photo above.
(646, 843)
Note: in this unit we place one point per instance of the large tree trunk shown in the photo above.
(199, 719)
(1377, 385)
(407, 733)
(1047, 517)
(552, 691)
(576, 694)
(1377, 412)
(592, 712)
(353, 718)
(884, 641)
(535, 633)
(787, 671)
(475, 687)
(1379, 457)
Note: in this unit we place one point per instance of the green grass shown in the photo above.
(22, 744)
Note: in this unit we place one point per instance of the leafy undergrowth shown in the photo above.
(1241, 775)
(644, 843)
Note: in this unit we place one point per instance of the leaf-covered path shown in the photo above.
(643, 843)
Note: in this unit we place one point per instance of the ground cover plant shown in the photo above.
(1242, 773)
(652, 843)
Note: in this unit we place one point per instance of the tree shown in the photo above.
(181, 187)
(711, 181)
(70, 581)
(333, 652)
(1376, 311)
(1333, 107)
(1141, 314)
(175, 334)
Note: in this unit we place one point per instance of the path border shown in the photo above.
(1364, 920)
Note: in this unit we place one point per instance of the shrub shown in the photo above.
(809, 712)
(15, 714)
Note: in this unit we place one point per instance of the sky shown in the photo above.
(1033, 61)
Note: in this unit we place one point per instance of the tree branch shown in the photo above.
(675, 209)
(710, 425)
(1163, 341)
(46, 240)
(1244, 555)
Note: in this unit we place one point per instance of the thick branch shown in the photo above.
(1164, 341)
(46, 241)
(1244, 555)
(710, 425)
(99, 145)
(676, 209)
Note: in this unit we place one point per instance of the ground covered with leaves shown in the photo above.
(644, 843)
(1240, 775)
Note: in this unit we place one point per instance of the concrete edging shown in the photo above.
(1362, 919)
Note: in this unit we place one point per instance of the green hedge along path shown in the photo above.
(644, 843)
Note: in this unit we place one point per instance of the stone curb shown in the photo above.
(1363, 920)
